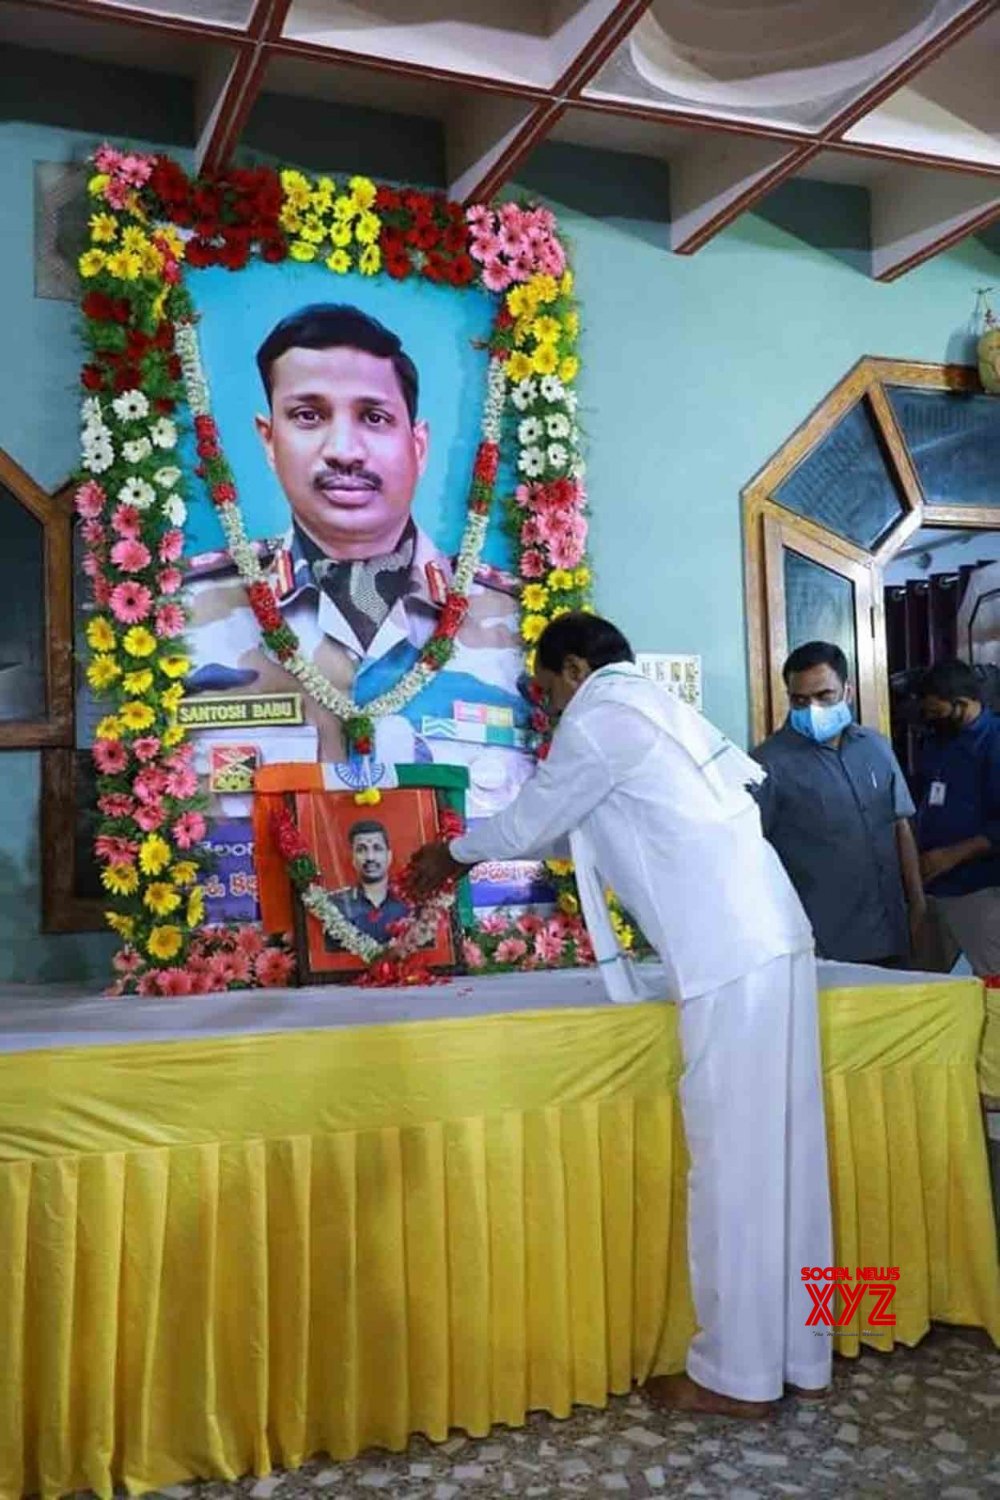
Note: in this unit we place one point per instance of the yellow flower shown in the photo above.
(544, 288)
(154, 854)
(370, 797)
(534, 596)
(97, 184)
(139, 641)
(295, 186)
(100, 636)
(521, 302)
(560, 609)
(566, 284)
(164, 942)
(582, 578)
(174, 665)
(571, 324)
(290, 218)
(366, 230)
(136, 716)
(103, 228)
(568, 903)
(560, 578)
(134, 239)
(138, 683)
(120, 880)
(161, 898)
(546, 330)
(370, 261)
(109, 728)
(102, 672)
(529, 662)
(160, 301)
(545, 359)
(313, 229)
(152, 262)
(559, 866)
(196, 907)
(322, 195)
(302, 250)
(124, 264)
(172, 241)
(340, 235)
(518, 367)
(339, 261)
(363, 191)
(124, 926)
(184, 872)
(91, 261)
(568, 369)
(345, 209)
(172, 735)
(532, 627)
(171, 697)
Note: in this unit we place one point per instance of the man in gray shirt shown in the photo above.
(836, 807)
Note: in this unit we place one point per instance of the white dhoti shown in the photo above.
(758, 1198)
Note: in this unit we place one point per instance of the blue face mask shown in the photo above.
(821, 721)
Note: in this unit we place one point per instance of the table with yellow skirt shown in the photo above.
(239, 1230)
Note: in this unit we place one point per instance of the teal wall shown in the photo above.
(696, 370)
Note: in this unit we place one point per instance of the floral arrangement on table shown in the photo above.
(142, 379)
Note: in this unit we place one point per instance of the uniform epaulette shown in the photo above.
(218, 564)
(497, 578)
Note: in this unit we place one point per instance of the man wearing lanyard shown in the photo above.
(958, 823)
(836, 807)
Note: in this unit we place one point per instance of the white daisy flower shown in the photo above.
(557, 455)
(98, 456)
(578, 468)
(140, 448)
(137, 492)
(557, 425)
(131, 406)
(552, 388)
(570, 401)
(175, 510)
(524, 393)
(167, 477)
(530, 431)
(531, 462)
(90, 412)
(164, 433)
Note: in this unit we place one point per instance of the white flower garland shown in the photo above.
(420, 929)
(244, 555)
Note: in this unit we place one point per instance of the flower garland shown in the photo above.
(143, 366)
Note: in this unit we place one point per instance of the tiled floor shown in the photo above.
(920, 1422)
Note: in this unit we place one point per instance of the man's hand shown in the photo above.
(918, 916)
(430, 867)
(937, 862)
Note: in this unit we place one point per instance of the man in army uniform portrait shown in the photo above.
(369, 904)
(356, 578)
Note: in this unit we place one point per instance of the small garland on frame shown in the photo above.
(396, 962)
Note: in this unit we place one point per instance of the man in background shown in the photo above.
(836, 807)
(370, 904)
(958, 823)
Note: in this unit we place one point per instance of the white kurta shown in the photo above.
(654, 803)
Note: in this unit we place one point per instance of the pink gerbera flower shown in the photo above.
(189, 829)
(150, 783)
(181, 783)
(90, 500)
(150, 816)
(134, 169)
(100, 587)
(529, 924)
(116, 804)
(130, 602)
(478, 217)
(117, 851)
(147, 747)
(175, 982)
(494, 924)
(531, 533)
(106, 158)
(510, 950)
(250, 940)
(126, 520)
(149, 983)
(170, 580)
(169, 620)
(130, 555)
(110, 757)
(126, 961)
(274, 968)
(512, 242)
(171, 546)
(566, 550)
(532, 563)
(92, 533)
(181, 757)
(548, 946)
(91, 565)
(473, 954)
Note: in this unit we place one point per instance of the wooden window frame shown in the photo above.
(62, 909)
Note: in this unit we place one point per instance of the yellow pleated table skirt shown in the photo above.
(221, 1255)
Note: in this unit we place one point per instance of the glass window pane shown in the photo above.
(23, 692)
(86, 869)
(819, 606)
(954, 442)
(847, 483)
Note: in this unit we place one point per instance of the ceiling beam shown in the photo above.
(148, 20)
(487, 138)
(720, 177)
(227, 92)
(914, 219)
(587, 34)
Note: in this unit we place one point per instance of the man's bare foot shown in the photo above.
(681, 1393)
(804, 1393)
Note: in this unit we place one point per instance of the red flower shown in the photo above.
(168, 181)
(392, 241)
(127, 377)
(99, 306)
(462, 270)
(542, 753)
(223, 494)
(387, 200)
(398, 266)
(234, 255)
(452, 823)
(425, 235)
(363, 745)
(205, 427)
(163, 406)
(487, 463)
(505, 318)
(273, 250)
(453, 613)
(208, 449)
(455, 238)
(201, 252)
(174, 368)
(92, 378)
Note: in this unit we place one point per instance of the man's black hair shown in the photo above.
(595, 641)
(367, 825)
(337, 325)
(951, 680)
(816, 654)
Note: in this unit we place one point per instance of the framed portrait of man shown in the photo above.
(359, 851)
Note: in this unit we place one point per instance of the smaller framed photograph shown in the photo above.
(358, 851)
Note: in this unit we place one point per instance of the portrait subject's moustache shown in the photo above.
(336, 477)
